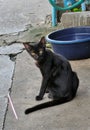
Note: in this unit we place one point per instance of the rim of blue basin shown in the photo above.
(51, 40)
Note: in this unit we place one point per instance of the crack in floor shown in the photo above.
(8, 55)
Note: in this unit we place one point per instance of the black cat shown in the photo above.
(58, 78)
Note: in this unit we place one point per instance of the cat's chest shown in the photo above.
(45, 67)
(42, 67)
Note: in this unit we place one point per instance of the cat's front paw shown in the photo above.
(38, 98)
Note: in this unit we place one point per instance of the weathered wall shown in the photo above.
(72, 19)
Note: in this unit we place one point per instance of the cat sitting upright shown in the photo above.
(59, 80)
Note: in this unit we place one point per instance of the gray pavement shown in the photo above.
(16, 15)
(74, 115)
(15, 19)
(21, 78)
(7, 66)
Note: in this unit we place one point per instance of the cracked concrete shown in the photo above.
(16, 15)
(6, 73)
(74, 115)
(17, 18)
(20, 21)
(11, 49)
(7, 67)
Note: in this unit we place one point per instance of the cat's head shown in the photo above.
(37, 51)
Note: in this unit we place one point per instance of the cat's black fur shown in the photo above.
(58, 78)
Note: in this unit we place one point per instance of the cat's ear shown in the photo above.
(27, 46)
(43, 42)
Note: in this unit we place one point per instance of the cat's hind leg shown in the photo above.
(75, 83)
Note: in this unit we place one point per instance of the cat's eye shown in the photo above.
(40, 52)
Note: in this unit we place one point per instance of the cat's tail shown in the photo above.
(48, 104)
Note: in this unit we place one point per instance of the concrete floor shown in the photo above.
(74, 115)
(24, 78)
(15, 19)
(16, 15)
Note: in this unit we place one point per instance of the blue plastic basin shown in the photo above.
(73, 43)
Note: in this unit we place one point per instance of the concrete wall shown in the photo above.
(72, 19)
